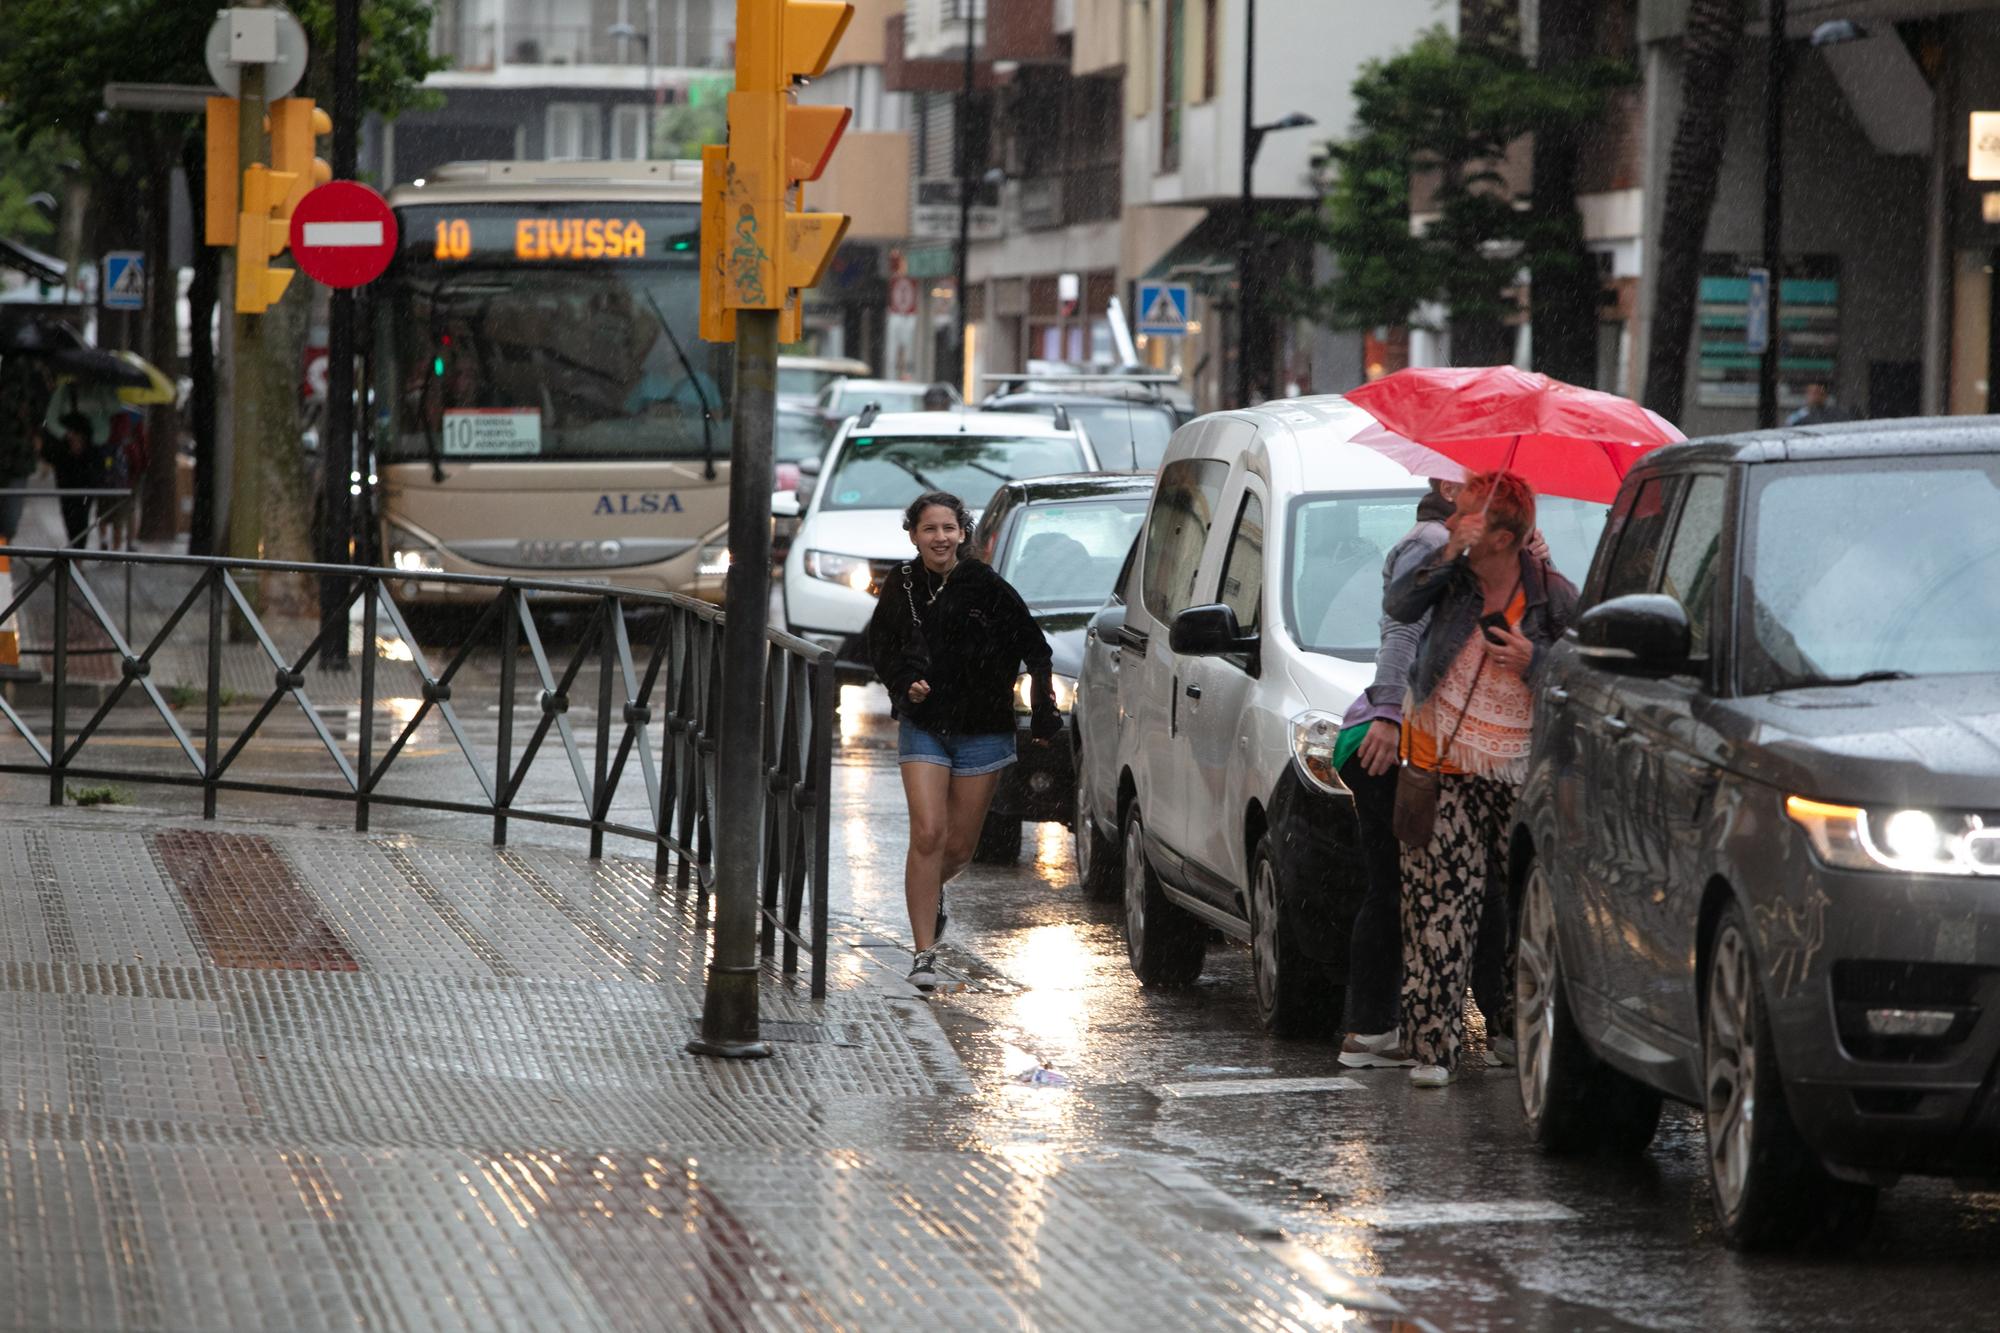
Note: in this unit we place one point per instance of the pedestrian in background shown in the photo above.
(937, 398)
(948, 639)
(1494, 607)
(78, 466)
(1366, 755)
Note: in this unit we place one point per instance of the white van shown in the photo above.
(1212, 691)
(850, 535)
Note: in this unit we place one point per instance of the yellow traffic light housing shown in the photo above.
(756, 252)
(219, 179)
(263, 229)
(295, 123)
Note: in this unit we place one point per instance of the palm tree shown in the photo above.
(1708, 63)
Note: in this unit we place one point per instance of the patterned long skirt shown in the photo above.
(1443, 885)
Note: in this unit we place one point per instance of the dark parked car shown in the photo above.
(1060, 541)
(1759, 842)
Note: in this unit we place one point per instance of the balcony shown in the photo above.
(904, 73)
(1024, 31)
(1069, 197)
(490, 46)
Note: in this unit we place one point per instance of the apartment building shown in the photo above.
(556, 80)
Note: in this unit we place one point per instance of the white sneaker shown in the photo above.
(1432, 1076)
(1499, 1052)
(923, 970)
(1383, 1050)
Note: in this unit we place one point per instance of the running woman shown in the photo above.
(948, 639)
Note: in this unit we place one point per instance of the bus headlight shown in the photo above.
(1024, 693)
(411, 554)
(851, 570)
(712, 560)
(1314, 735)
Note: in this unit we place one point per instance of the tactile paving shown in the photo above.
(487, 1118)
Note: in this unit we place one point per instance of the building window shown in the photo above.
(1211, 34)
(574, 132)
(628, 132)
(1172, 83)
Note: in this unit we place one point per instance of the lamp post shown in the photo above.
(961, 275)
(1777, 74)
(1253, 140)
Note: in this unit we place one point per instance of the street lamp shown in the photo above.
(1253, 139)
(625, 32)
(1833, 32)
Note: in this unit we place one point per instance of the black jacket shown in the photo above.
(1449, 592)
(968, 645)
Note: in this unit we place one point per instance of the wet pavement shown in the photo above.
(1432, 1197)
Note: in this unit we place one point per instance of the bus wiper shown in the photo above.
(1860, 678)
(707, 408)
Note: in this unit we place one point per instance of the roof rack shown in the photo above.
(1118, 376)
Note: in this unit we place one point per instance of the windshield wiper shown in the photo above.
(707, 408)
(1860, 678)
(922, 480)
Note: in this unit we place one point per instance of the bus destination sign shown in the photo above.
(567, 235)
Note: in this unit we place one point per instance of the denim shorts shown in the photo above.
(965, 756)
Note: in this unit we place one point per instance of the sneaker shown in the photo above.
(1499, 1052)
(1384, 1050)
(1432, 1076)
(923, 970)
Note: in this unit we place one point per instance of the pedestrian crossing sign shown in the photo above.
(124, 280)
(1164, 307)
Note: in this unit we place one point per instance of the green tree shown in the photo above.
(682, 130)
(55, 58)
(1438, 121)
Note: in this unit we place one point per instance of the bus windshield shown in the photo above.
(518, 331)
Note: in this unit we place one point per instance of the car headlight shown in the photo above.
(1024, 693)
(712, 560)
(411, 554)
(851, 570)
(1314, 734)
(1918, 842)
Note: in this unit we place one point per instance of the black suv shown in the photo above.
(1757, 865)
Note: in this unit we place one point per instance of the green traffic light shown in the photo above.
(437, 366)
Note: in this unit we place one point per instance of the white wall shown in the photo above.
(1308, 54)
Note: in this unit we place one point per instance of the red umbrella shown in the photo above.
(1560, 439)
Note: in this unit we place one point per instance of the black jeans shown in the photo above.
(1375, 956)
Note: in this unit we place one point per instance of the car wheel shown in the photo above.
(1096, 855)
(1164, 943)
(999, 839)
(1295, 997)
(1770, 1189)
(1572, 1101)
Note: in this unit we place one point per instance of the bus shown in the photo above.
(541, 403)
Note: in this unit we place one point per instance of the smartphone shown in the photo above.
(1493, 626)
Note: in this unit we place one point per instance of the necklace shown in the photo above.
(943, 579)
(910, 596)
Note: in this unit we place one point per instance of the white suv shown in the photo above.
(850, 532)
(1212, 691)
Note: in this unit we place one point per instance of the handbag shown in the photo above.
(1414, 816)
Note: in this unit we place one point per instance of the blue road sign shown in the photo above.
(1757, 312)
(124, 280)
(1164, 308)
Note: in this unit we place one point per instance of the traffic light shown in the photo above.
(263, 229)
(295, 123)
(756, 252)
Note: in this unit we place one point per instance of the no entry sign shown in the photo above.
(343, 234)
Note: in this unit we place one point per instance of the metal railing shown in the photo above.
(676, 691)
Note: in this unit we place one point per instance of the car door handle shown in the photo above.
(1556, 694)
(1617, 726)
(1193, 691)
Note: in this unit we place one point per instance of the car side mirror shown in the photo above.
(1209, 631)
(810, 466)
(785, 504)
(1640, 632)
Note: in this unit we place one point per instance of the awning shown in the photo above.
(1204, 258)
(33, 262)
